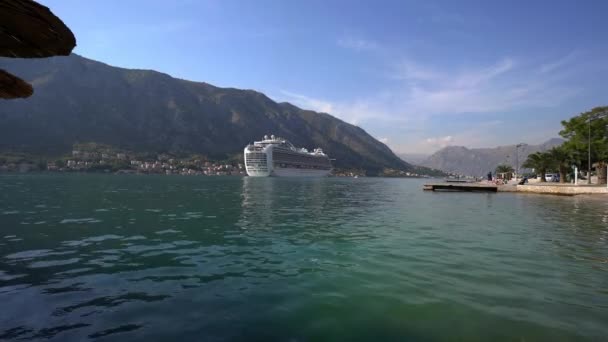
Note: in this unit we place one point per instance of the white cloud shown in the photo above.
(502, 86)
(357, 44)
(352, 112)
(440, 15)
(383, 140)
(440, 141)
(475, 77)
(307, 102)
(411, 71)
(420, 93)
(561, 62)
(476, 134)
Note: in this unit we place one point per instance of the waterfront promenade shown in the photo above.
(566, 189)
(562, 188)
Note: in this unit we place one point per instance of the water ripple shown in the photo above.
(278, 259)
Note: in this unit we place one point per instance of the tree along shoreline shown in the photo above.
(586, 147)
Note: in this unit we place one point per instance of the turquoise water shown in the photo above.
(142, 258)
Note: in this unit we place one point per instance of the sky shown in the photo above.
(417, 75)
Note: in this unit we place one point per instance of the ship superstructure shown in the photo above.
(275, 156)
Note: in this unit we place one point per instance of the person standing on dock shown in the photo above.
(490, 176)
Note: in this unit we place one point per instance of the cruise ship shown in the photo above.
(276, 156)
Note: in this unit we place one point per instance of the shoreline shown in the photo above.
(233, 174)
(563, 189)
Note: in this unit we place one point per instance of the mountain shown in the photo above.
(478, 161)
(80, 100)
(413, 158)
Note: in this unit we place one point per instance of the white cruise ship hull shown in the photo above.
(255, 173)
(288, 172)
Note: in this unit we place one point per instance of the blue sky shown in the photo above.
(418, 75)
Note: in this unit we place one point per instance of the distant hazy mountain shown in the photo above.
(413, 158)
(80, 100)
(478, 161)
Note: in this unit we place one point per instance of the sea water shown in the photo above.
(143, 258)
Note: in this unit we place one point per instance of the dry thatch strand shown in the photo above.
(12, 87)
(29, 30)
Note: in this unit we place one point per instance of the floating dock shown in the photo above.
(466, 187)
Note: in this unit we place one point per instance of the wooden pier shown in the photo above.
(466, 187)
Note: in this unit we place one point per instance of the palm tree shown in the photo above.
(562, 158)
(506, 169)
(540, 162)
